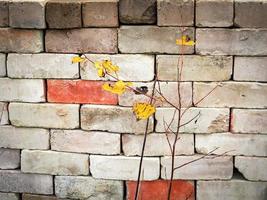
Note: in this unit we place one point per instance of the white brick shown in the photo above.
(231, 94)
(132, 67)
(3, 113)
(78, 187)
(44, 115)
(232, 144)
(85, 142)
(9, 196)
(24, 138)
(55, 163)
(208, 120)
(22, 90)
(2, 65)
(207, 168)
(123, 168)
(157, 144)
(9, 159)
(41, 66)
(249, 121)
(195, 68)
(112, 119)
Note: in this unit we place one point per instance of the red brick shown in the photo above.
(79, 91)
(158, 190)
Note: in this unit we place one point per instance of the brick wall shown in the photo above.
(63, 137)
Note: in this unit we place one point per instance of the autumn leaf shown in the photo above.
(185, 40)
(104, 67)
(117, 88)
(143, 110)
(77, 59)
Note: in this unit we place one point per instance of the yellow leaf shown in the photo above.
(185, 41)
(143, 110)
(104, 67)
(77, 59)
(118, 88)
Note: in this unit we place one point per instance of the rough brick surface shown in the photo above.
(207, 168)
(81, 40)
(88, 188)
(239, 41)
(152, 39)
(44, 115)
(3, 113)
(9, 158)
(4, 13)
(232, 144)
(55, 163)
(123, 168)
(42, 66)
(37, 197)
(2, 65)
(85, 142)
(9, 196)
(112, 119)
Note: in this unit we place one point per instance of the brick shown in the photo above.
(2, 64)
(54, 163)
(16, 181)
(100, 13)
(38, 197)
(22, 90)
(255, 121)
(239, 41)
(243, 95)
(4, 13)
(42, 66)
(93, 40)
(138, 11)
(9, 158)
(231, 190)
(3, 113)
(27, 14)
(123, 168)
(214, 13)
(153, 39)
(78, 187)
(21, 41)
(112, 119)
(207, 168)
(132, 67)
(175, 12)
(9, 196)
(196, 68)
(251, 14)
(231, 144)
(85, 142)
(63, 14)
(79, 91)
(206, 120)
(44, 115)
(24, 138)
(181, 190)
(250, 69)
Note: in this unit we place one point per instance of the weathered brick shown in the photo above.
(55, 163)
(123, 168)
(251, 13)
(9, 196)
(16, 181)
(214, 13)
(9, 158)
(44, 115)
(38, 197)
(239, 41)
(206, 120)
(24, 138)
(157, 144)
(231, 94)
(93, 40)
(181, 190)
(252, 168)
(112, 119)
(22, 90)
(22, 41)
(27, 14)
(232, 144)
(85, 142)
(63, 14)
(2, 65)
(4, 13)
(249, 121)
(132, 67)
(78, 187)
(195, 68)
(175, 12)
(153, 39)
(42, 66)
(103, 13)
(207, 168)
(231, 190)
(79, 91)
(250, 69)
(3, 113)
(138, 11)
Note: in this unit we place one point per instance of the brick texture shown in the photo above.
(9, 158)
(4, 14)
(2, 65)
